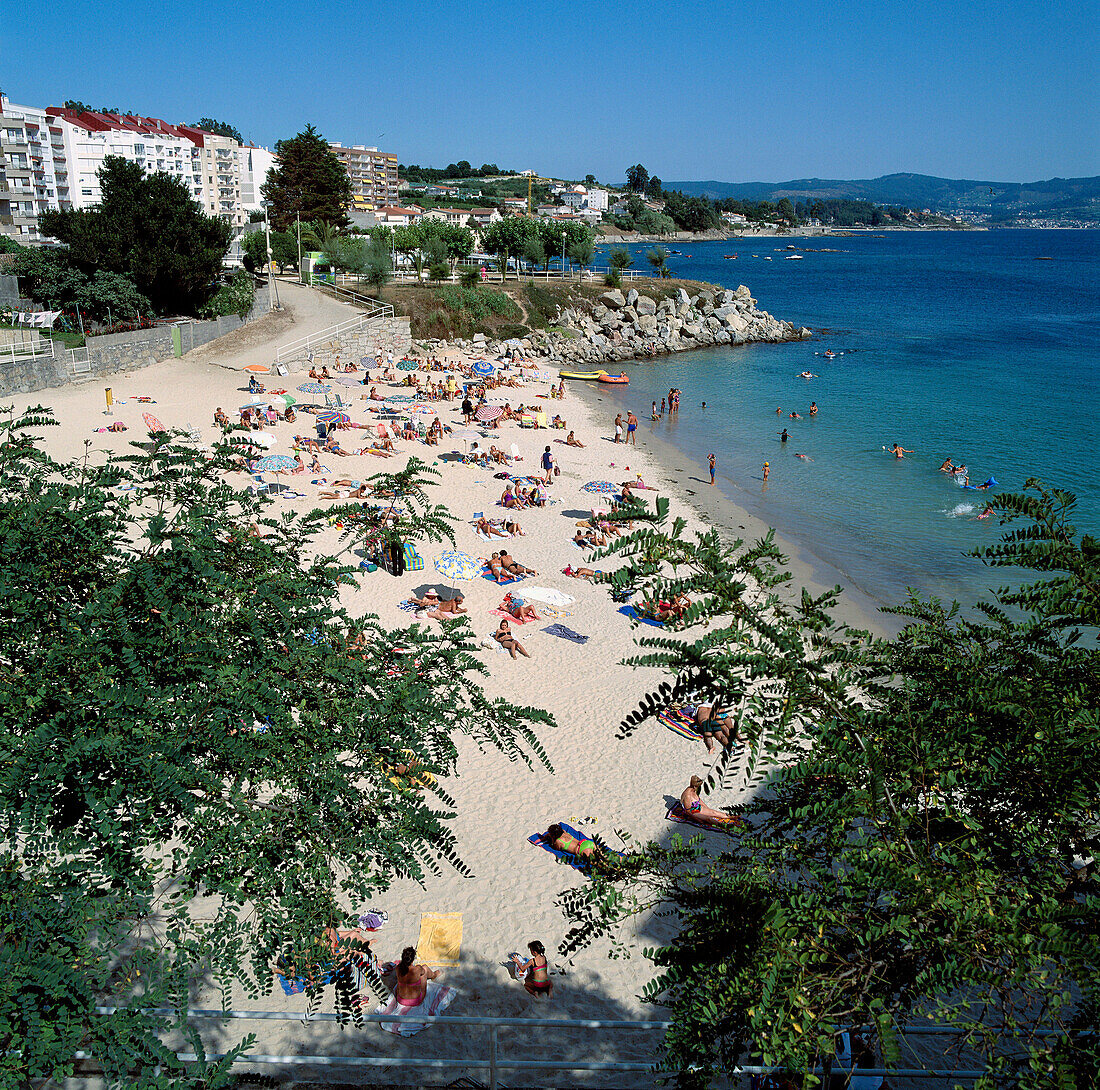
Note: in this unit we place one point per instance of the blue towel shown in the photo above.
(492, 579)
(565, 633)
(630, 611)
(567, 857)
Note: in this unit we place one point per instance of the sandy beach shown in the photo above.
(600, 783)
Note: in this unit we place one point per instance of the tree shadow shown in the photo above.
(485, 988)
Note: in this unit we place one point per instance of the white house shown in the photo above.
(398, 217)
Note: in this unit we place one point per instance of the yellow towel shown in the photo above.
(440, 941)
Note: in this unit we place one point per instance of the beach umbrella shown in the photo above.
(286, 400)
(275, 463)
(334, 417)
(349, 380)
(484, 368)
(408, 365)
(488, 413)
(455, 565)
(314, 388)
(258, 369)
(605, 488)
(152, 422)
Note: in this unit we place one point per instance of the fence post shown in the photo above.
(492, 1058)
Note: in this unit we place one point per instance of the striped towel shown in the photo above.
(439, 997)
(679, 722)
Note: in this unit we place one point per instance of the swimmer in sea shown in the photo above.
(804, 457)
(796, 416)
(986, 512)
(813, 408)
(899, 451)
(783, 436)
(779, 411)
(948, 466)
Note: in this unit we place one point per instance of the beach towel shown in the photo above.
(552, 613)
(440, 941)
(630, 611)
(680, 722)
(565, 633)
(683, 817)
(413, 560)
(486, 574)
(295, 985)
(549, 596)
(509, 617)
(438, 998)
(408, 607)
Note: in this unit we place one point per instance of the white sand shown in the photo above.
(600, 783)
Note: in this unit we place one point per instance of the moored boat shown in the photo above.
(590, 375)
(621, 379)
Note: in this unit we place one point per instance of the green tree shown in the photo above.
(653, 188)
(582, 252)
(76, 105)
(219, 128)
(147, 228)
(309, 181)
(785, 211)
(590, 180)
(378, 263)
(508, 238)
(284, 248)
(637, 178)
(254, 250)
(534, 252)
(658, 258)
(108, 296)
(188, 712)
(921, 836)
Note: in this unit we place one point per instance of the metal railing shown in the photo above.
(494, 1062)
(80, 362)
(303, 345)
(21, 351)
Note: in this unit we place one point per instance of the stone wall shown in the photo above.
(9, 291)
(117, 352)
(383, 335)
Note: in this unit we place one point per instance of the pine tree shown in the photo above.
(309, 181)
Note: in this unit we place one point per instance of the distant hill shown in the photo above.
(1057, 198)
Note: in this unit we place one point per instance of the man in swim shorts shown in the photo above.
(631, 428)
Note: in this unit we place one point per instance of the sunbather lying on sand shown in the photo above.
(488, 529)
(452, 607)
(496, 569)
(332, 446)
(558, 838)
(511, 565)
(579, 573)
(519, 609)
(503, 636)
(714, 724)
(357, 490)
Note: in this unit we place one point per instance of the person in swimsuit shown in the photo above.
(899, 451)
(534, 969)
(948, 466)
(572, 441)
(579, 573)
(619, 428)
(713, 723)
(558, 838)
(412, 979)
(692, 804)
(519, 609)
(220, 419)
(813, 408)
(767, 470)
(496, 569)
(488, 529)
(632, 428)
(783, 436)
(510, 565)
(712, 462)
(503, 636)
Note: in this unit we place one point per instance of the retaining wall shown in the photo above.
(115, 352)
(383, 335)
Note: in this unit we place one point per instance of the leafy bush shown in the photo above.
(470, 277)
(477, 303)
(236, 297)
(507, 332)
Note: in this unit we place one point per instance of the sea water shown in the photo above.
(967, 345)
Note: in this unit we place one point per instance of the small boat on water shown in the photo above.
(794, 257)
(590, 375)
(730, 257)
(829, 354)
(621, 379)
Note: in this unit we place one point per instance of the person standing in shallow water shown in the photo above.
(767, 470)
(713, 463)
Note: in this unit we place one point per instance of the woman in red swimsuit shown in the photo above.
(536, 970)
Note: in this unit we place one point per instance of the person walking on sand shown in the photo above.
(619, 428)
(548, 464)
(713, 463)
(632, 428)
(766, 470)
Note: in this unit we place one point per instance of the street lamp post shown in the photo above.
(272, 299)
(563, 255)
(298, 220)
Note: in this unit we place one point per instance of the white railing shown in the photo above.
(21, 351)
(303, 345)
(79, 361)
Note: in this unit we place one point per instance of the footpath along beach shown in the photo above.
(600, 783)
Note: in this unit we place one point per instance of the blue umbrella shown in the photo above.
(314, 388)
(455, 565)
(401, 399)
(484, 368)
(408, 365)
(605, 488)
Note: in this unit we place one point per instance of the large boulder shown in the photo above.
(631, 297)
(682, 297)
(613, 298)
(646, 324)
(645, 305)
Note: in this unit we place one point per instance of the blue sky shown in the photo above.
(735, 91)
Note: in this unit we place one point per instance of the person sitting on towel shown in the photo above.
(535, 970)
(698, 810)
(412, 979)
(558, 838)
(713, 723)
(572, 441)
(503, 636)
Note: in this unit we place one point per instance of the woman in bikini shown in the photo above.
(696, 809)
(412, 979)
(488, 529)
(496, 569)
(572, 441)
(519, 609)
(558, 838)
(503, 636)
(713, 723)
(535, 970)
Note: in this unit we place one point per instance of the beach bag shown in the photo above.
(557, 471)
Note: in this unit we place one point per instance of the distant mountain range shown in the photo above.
(1057, 198)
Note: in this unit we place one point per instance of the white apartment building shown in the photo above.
(255, 164)
(579, 198)
(34, 176)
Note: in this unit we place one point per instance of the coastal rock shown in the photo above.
(742, 292)
(631, 297)
(682, 298)
(613, 298)
(646, 324)
(628, 314)
(645, 305)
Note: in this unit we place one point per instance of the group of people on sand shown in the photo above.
(504, 567)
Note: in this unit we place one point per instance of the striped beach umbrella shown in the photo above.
(334, 417)
(488, 413)
(484, 368)
(314, 388)
(152, 423)
(604, 488)
(454, 565)
(408, 365)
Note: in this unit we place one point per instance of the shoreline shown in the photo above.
(715, 507)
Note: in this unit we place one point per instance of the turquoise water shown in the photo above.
(957, 344)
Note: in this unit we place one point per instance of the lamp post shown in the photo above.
(298, 220)
(272, 299)
(563, 255)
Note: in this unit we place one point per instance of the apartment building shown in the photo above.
(373, 176)
(34, 175)
(219, 175)
(255, 165)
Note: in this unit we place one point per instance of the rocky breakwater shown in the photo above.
(619, 326)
